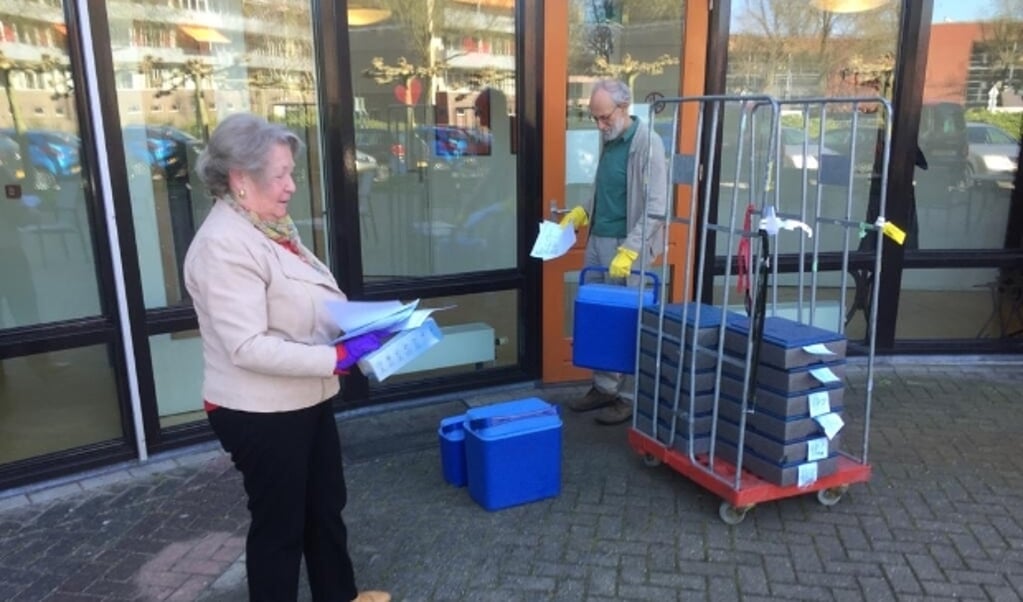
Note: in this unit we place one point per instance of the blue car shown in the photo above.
(161, 151)
(52, 156)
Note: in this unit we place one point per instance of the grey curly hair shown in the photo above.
(619, 91)
(241, 141)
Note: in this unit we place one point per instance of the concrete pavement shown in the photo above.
(939, 519)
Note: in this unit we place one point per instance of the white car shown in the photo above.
(993, 155)
(796, 154)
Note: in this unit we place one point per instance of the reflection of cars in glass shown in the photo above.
(993, 154)
(385, 147)
(52, 156)
(942, 138)
(12, 170)
(801, 151)
(368, 171)
(868, 145)
(159, 150)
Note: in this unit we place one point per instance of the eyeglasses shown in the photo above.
(604, 118)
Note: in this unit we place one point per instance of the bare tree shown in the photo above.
(1002, 43)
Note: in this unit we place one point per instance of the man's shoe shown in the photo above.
(373, 596)
(593, 400)
(616, 413)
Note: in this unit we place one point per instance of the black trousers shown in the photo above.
(292, 472)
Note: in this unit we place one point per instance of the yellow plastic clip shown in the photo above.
(894, 232)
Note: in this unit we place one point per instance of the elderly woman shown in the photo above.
(270, 367)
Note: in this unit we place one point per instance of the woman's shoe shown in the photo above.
(373, 596)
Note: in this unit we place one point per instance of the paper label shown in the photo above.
(817, 449)
(824, 375)
(807, 474)
(831, 423)
(818, 349)
(819, 402)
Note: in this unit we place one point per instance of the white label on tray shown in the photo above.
(807, 474)
(831, 423)
(818, 349)
(817, 449)
(820, 403)
(825, 375)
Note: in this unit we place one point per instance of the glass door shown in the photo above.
(639, 42)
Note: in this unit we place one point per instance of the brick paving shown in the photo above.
(939, 519)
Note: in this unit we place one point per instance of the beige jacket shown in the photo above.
(266, 333)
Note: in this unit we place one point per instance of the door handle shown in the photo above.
(556, 211)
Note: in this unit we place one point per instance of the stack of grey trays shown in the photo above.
(676, 406)
(799, 380)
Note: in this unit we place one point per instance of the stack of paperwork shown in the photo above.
(415, 332)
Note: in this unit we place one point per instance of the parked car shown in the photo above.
(869, 147)
(12, 170)
(942, 139)
(52, 156)
(386, 148)
(993, 154)
(801, 150)
(158, 150)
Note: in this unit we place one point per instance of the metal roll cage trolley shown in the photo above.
(748, 400)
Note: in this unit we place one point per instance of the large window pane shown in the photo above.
(46, 247)
(57, 401)
(435, 88)
(181, 68)
(827, 154)
(480, 331)
(960, 304)
(970, 124)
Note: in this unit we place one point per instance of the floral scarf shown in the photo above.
(282, 231)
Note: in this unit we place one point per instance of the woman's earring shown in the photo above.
(241, 193)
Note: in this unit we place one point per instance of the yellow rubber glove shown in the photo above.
(577, 217)
(621, 265)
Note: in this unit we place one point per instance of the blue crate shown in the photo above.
(513, 453)
(604, 327)
(451, 433)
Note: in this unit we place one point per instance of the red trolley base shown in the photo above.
(752, 490)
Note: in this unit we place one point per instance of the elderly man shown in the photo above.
(631, 156)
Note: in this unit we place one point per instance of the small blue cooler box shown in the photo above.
(604, 329)
(513, 453)
(451, 433)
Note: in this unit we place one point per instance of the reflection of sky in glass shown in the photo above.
(944, 10)
(958, 10)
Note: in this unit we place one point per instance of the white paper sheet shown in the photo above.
(818, 349)
(825, 375)
(831, 423)
(817, 449)
(806, 474)
(819, 403)
(552, 241)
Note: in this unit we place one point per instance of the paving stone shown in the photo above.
(938, 519)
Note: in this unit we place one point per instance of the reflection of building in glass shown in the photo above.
(163, 51)
(966, 60)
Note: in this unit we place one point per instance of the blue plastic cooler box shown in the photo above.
(451, 433)
(604, 329)
(513, 453)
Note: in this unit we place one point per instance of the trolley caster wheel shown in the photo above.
(830, 497)
(732, 515)
(651, 460)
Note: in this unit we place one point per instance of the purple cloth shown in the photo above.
(359, 346)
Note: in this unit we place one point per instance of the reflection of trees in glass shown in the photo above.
(629, 68)
(791, 49)
(54, 71)
(193, 74)
(598, 26)
(1003, 45)
(285, 61)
